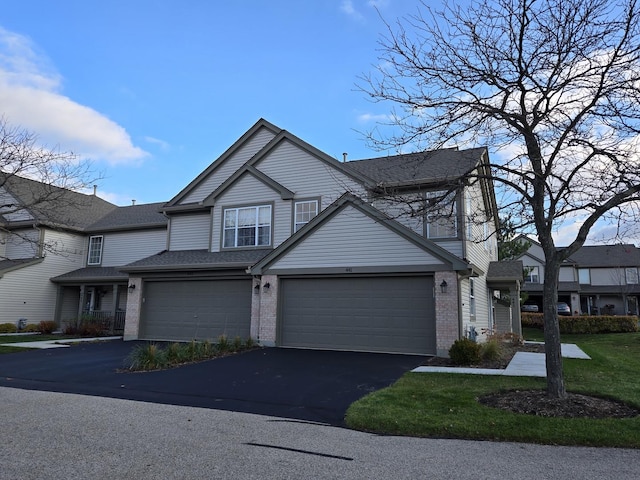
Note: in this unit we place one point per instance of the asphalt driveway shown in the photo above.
(308, 385)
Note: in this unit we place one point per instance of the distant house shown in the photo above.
(598, 279)
(98, 290)
(42, 234)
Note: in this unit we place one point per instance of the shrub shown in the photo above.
(465, 352)
(8, 328)
(223, 344)
(31, 327)
(148, 357)
(586, 323)
(47, 327)
(491, 350)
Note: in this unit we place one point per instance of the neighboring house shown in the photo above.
(98, 290)
(599, 279)
(42, 235)
(278, 241)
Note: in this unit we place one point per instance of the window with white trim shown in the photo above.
(247, 227)
(304, 212)
(584, 276)
(442, 218)
(531, 275)
(631, 275)
(94, 256)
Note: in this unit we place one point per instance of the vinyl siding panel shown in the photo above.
(249, 191)
(232, 163)
(126, 247)
(481, 248)
(567, 274)
(23, 244)
(12, 216)
(607, 276)
(189, 232)
(401, 214)
(28, 292)
(352, 238)
(306, 175)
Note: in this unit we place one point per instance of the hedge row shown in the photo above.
(586, 324)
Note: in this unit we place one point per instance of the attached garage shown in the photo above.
(195, 309)
(376, 313)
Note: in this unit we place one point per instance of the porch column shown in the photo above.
(58, 311)
(516, 319)
(114, 307)
(83, 292)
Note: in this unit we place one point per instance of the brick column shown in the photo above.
(447, 315)
(268, 311)
(134, 306)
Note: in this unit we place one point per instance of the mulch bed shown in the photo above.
(536, 402)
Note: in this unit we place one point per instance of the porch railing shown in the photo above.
(111, 323)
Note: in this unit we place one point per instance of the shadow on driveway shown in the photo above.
(308, 385)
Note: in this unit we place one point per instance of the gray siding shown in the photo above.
(28, 293)
(306, 175)
(232, 163)
(189, 232)
(352, 238)
(126, 247)
(24, 244)
(12, 216)
(567, 274)
(249, 191)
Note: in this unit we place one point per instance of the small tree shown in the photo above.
(38, 185)
(553, 86)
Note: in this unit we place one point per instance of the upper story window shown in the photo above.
(584, 276)
(442, 218)
(631, 275)
(304, 212)
(472, 300)
(247, 227)
(95, 251)
(531, 275)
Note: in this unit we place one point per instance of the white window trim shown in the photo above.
(453, 206)
(296, 224)
(256, 225)
(472, 300)
(527, 276)
(90, 250)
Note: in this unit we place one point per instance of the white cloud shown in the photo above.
(30, 97)
(160, 143)
(347, 7)
(370, 117)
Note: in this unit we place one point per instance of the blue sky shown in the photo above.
(152, 91)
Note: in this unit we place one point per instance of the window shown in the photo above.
(247, 227)
(632, 276)
(472, 300)
(304, 212)
(442, 219)
(531, 275)
(584, 276)
(95, 251)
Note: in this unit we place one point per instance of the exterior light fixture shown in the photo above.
(131, 287)
(256, 289)
(443, 286)
(266, 286)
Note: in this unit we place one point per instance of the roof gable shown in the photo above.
(218, 164)
(284, 192)
(429, 250)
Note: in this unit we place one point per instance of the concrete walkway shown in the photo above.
(523, 364)
(44, 344)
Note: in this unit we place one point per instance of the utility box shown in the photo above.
(22, 324)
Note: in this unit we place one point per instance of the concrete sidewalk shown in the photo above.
(45, 344)
(523, 364)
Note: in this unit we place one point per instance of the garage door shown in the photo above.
(377, 314)
(194, 309)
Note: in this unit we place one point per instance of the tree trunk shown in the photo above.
(553, 354)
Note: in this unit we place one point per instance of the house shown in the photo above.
(98, 290)
(278, 241)
(598, 279)
(42, 235)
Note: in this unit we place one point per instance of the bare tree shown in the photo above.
(552, 86)
(39, 186)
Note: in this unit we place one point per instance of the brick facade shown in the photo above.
(264, 311)
(447, 319)
(134, 306)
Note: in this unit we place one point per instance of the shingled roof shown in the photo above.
(621, 255)
(197, 259)
(141, 216)
(429, 167)
(53, 206)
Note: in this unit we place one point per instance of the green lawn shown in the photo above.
(444, 405)
(24, 338)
